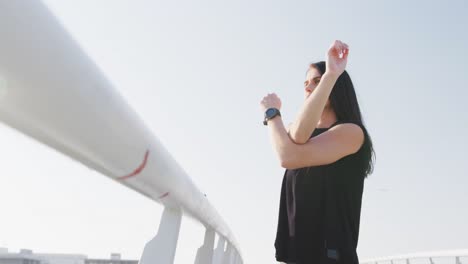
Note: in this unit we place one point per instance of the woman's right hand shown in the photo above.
(337, 58)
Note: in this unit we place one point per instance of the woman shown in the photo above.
(327, 154)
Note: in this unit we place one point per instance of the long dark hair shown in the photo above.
(344, 103)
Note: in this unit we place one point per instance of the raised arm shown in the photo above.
(326, 148)
(311, 112)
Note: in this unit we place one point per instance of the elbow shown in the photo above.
(288, 164)
(284, 162)
(287, 159)
(287, 153)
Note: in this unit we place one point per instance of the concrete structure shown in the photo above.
(23, 257)
(61, 258)
(115, 259)
(26, 256)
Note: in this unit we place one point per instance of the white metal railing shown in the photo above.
(440, 257)
(52, 91)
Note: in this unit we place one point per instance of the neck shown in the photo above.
(328, 118)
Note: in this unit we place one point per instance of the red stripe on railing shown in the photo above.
(137, 170)
(164, 195)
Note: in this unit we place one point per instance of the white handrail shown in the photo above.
(52, 91)
(430, 256)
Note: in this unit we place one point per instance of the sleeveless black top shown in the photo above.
(320, 210)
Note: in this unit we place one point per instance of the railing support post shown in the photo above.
(161, 249)
(228, 255)
(237, 258)
(219, 251)
(205, 252)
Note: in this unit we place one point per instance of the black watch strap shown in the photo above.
(270, 113)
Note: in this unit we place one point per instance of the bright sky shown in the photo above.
(195, 71)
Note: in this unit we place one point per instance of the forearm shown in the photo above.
(311, 112)
(280, 140)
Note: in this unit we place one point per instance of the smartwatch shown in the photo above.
(270, 113)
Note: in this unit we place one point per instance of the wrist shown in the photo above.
(331, 75)
(275, 120)
(270, 114)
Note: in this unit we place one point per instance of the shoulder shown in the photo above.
(350, 127)
(350, 133)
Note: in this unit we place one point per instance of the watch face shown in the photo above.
(270, 112)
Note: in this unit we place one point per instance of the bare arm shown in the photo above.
(328, 147)
(311, 111)
(313, 107)
(293, 147)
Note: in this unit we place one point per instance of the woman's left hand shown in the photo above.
(337, 58)
(270, 101)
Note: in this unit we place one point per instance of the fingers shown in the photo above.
(345, 50)
(340, 48)
(346, 53)
(334, 48)
(271, 96)
(271, 100)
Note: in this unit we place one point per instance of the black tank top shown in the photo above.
(320, 210)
